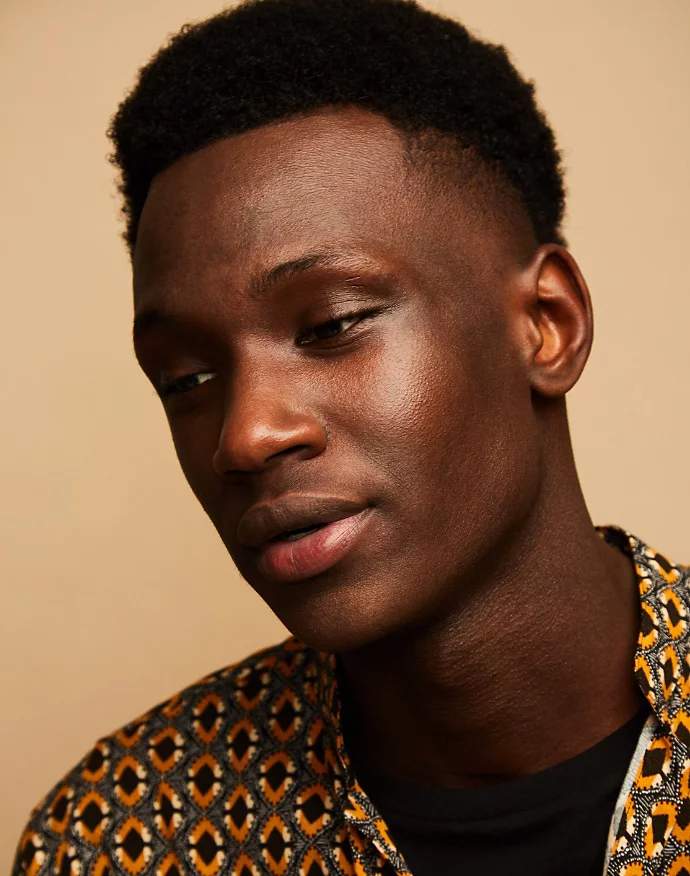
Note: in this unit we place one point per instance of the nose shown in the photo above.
(262, 423)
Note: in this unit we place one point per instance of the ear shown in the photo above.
(555, 324)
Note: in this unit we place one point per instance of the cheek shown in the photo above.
(391, 405)
(413, 408)
(450, 424)
(486, 470)
(196, 440)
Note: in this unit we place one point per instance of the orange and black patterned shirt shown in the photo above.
(246, 772)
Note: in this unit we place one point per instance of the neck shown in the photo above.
(533, 668)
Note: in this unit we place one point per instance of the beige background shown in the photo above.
(115, 588)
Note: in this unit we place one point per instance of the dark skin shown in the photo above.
(484, 630)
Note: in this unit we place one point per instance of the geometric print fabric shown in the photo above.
(246, 773)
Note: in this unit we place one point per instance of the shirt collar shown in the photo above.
(662, 658)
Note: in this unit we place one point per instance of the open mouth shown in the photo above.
(307, 551)
(296, 534)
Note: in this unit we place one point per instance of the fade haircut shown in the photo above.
(267, 60)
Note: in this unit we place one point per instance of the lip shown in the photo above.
(313, 554)
(265, 520)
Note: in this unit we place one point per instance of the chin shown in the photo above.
(356, 604)
(343, 616)
(332, 633)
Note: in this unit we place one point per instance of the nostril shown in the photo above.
(295, 448)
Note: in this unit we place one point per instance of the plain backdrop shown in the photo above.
(116, 590)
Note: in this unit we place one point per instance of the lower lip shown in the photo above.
(315, 553)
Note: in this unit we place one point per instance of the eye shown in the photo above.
(184, 384)
(333, 328)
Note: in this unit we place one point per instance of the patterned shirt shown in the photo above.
(246, 773)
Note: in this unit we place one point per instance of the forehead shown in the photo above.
(336, 180)
(329, 176)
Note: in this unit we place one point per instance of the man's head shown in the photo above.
(344, 223)
(272, 59)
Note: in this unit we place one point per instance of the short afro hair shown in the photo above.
(266, 60)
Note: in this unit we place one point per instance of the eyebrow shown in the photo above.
(258, 287)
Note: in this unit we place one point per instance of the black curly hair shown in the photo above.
(266, 60)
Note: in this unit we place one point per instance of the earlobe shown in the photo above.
(561, 325)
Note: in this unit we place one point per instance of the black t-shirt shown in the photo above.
(553, 822)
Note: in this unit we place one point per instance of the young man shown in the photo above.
(352, 294)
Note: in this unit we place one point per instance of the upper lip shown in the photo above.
(265, 520)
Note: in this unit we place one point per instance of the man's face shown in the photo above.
(377, 365)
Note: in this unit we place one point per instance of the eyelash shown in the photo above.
(173, 387)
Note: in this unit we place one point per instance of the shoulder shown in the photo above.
(125, 800)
